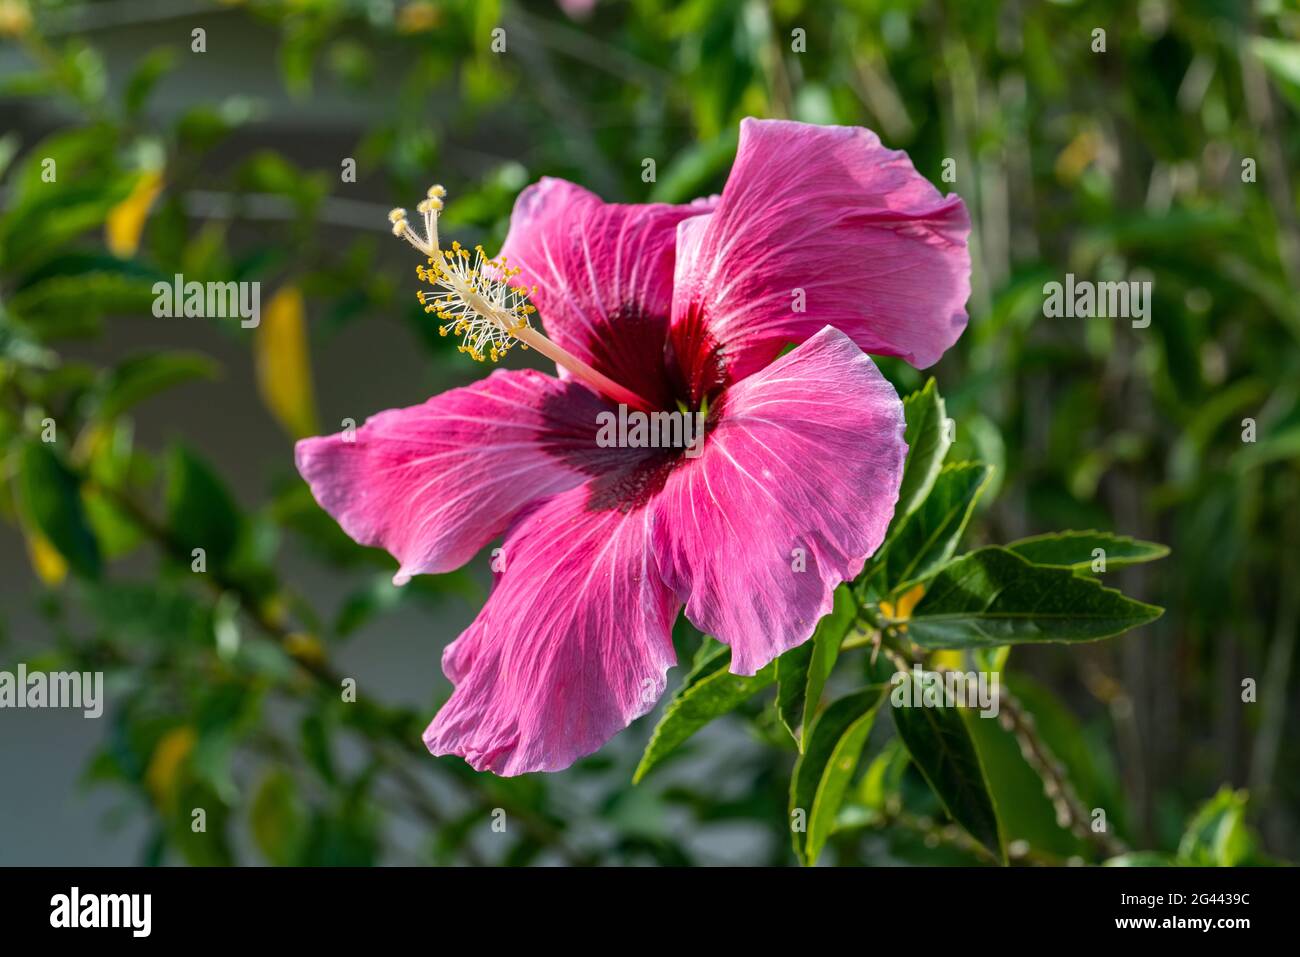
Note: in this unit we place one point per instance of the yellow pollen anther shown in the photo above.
(473, 298)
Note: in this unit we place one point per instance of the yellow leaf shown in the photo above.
(1078, 156)
(420, 16)
(305, 647)
(908, 600)
(902, 611)
(89, 442)
(163, 774)
(947, 660)
(284, 364)
(45, 558)
(126, 219)
(15, 18)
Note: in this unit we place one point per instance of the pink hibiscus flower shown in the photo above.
(821, 238)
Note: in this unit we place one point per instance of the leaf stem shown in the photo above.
(1070, 812)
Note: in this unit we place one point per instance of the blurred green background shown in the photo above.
(1169, 157)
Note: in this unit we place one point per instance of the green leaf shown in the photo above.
(371, 599)
(1088, 768)
(144, 78)
(202, 848)
(801, 672)
(1141, 859)
(1280, 447)
(1282, 59)
(1027, 813)
(53, 218)
(112, 463)
(941, 748)
(19, 345)
(9, 144)
(710, 657)
(1217, 835)
(710, 691)
(994, 597)
(277, 819)
(316, 748)
(151, 612)
(68, 294)
(928, 537)
(1076, 550)
(200, 511)
(692, 170)
(882, 783)
(822, 773)
(298, 59)
(81, 149)
(991, 659)
(51, 497)
(142, 376)
(927, 444)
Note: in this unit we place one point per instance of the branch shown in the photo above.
(277, 631)
(1070, 812)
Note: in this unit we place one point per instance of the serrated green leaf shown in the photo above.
(710, 657)
(709, 692)
(823, 771)
(992, 596)
(51, 498)
(927, 444)
(941, 748)
(1076, 550)
(801, 672)
(928, 537)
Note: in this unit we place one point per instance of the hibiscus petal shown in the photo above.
(574, 643)
(604, 277)
(802, 459)
(875, 249)
(434, 483)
